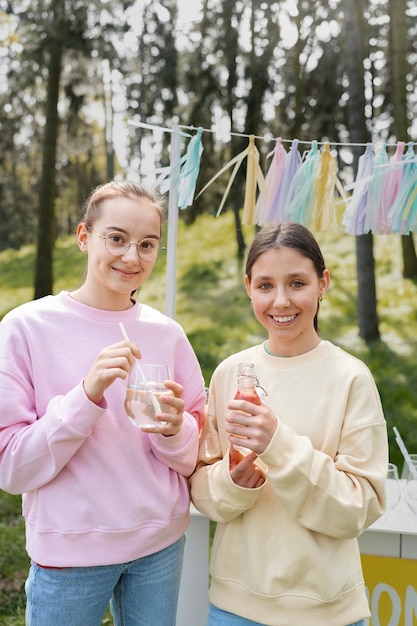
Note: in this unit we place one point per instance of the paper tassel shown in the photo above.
(254, 179)
(323, 213)
(354, 216)
(190, 170)
(401, 216)
(376, 189)
(392, 184)
(254, 176)
(301, 189)
(278, 203)
(264, 208)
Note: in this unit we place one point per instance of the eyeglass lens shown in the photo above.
(117, 245)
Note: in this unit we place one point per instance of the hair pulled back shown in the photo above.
(288, 235)
(92, 208)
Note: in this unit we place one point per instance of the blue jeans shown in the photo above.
(217, 617)
(143, 592)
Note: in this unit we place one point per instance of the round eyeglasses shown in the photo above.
(117, 244)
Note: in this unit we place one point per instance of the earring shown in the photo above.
(320, 297)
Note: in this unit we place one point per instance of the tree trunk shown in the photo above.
(365, 266)
(399, 69)
(367, 304)
(46, 225)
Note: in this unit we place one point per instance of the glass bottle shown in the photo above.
(246, 390)
(247, 383)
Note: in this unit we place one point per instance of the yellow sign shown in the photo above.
(391, 585)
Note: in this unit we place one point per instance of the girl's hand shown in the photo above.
(244, 471)
(250, 425)
(175, 417)
(112, 362)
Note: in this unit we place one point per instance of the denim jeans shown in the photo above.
(143, 592)
(217, 617)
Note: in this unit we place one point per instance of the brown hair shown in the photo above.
(92, 208)
(288, 235)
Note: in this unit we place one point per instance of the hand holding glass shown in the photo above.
(145, 387)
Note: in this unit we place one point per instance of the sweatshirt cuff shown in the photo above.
(225, 490)
(188, 431)
(78, 411)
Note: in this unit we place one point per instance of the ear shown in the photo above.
(82, 237)
(324, 282)
(247, 286)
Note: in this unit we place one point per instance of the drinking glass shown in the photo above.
(145, 386)
(411, 486)
(406, 471)
(392, 487)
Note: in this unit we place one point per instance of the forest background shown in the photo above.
(77, 78)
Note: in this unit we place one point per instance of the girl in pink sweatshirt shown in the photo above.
(106, 503)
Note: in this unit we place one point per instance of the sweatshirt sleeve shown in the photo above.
(36, 443)
(337, 496)
(32, 450)
(213, 491)
(180, 451)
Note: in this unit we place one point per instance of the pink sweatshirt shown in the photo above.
(96, 489)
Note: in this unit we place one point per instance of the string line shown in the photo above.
(264, 138)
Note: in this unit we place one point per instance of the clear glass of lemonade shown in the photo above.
(143, 394)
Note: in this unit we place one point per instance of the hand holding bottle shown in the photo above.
(249, 421)
(243, 469)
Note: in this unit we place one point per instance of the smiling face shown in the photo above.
(285, 290)
(110, 278)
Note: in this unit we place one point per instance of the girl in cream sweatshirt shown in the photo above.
(288, 513)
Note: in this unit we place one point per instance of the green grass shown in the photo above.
(213, 307)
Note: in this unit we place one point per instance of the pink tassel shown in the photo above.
(264, 206)
(392, 184)
(278, 202)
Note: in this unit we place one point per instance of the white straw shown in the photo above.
(404, 451)
(126, 336)
(155, 402)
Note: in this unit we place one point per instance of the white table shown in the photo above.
(389, 559)
(193, 600)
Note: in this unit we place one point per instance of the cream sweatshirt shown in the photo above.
(286, 554)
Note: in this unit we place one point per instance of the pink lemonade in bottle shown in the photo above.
(246, 390)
